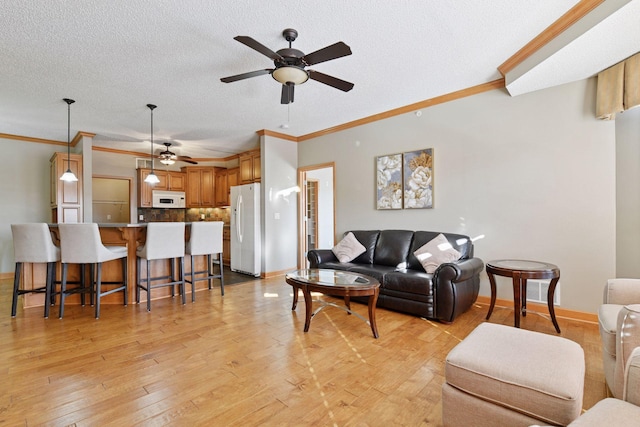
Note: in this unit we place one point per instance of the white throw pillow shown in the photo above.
(436, 252)
(348, 248)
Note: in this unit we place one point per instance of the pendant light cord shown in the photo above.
(69, 102)
(151, 107)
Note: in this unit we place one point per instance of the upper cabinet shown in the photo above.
(249, 164)
(168, 180)
(225, 179)
(201, 186)
(66, 197)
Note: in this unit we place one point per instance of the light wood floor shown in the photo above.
(238, 360)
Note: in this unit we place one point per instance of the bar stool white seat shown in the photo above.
(81, 244)
(205, 239)
(32, 243)
(165, 240)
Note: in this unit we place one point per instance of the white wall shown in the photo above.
(279, 217)
(628, 193)
(535, 174)
(24, 190)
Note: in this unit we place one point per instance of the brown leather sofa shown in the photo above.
(404, 284)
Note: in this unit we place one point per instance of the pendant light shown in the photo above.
(152, 178)
(68, 176)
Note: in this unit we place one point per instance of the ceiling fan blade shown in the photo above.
(187, 159)
(246, 75)
(287, 93)
(248, 41)
(336, 50)
(330, 80)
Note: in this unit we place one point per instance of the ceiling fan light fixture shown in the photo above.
(69, 176)
(167, 161)
(290, 74)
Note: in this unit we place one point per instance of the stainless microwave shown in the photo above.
(168, 199)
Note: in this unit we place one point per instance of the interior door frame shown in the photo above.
(302, 203)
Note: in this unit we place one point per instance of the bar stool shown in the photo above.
(165, 240)
(205, 239)
(81, 244)
(32, 243)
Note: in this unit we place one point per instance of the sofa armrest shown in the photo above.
(455, 287)
(622, 291)
(319, 256)
(458, 271)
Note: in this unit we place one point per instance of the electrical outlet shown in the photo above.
(141, 218)
(108, 217)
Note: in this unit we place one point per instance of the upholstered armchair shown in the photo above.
(624, 411)
(619, 319)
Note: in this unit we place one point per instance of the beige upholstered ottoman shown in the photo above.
(504, 376)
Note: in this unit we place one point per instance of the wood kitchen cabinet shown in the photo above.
(249, 164)
(226, 246)
(201, 186)
(66, 197)
(221, 188)
(168, 181)
(225, 179)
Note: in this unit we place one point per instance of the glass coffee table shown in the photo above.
(336, 283)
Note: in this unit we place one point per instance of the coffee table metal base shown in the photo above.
(309, 312)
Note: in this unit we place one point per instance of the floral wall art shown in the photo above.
(405, 180)
(418, 179)
(389, 185)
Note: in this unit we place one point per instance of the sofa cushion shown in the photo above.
(392, 248)
(348, 248)
(368, 239)
(609, 412)
(459, 242)
(435, 252)
(378, 272)
(410, 281)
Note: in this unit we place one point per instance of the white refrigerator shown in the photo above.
(245, 229)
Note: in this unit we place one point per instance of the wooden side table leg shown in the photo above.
(347, 303)
(295, 297)
(373, 299)
(517, 305)
(308, 308)
(492, 281)
(550, 293)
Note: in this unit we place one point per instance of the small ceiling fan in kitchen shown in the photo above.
(290, 65)
(167, 157)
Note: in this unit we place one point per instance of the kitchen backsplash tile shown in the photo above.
(186, 215)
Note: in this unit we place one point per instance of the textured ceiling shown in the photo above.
(115, 57)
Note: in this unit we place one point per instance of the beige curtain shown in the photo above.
(632, 82)
(610, 94)
(618, 88)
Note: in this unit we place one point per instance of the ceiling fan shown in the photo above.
(290, 65)
(167, 157)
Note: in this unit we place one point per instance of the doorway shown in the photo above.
(316, 211)
(111, 199)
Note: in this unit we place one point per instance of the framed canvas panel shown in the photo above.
(418, 179)
(389, 181)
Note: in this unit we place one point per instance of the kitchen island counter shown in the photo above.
(129, 235)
